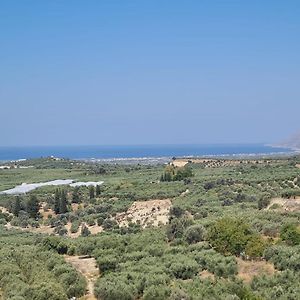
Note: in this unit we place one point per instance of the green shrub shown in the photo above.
(107, 263)
(290, 233)
(194, 234)
(159, 292)
(231, 236)
(74, 227)
(113, 289)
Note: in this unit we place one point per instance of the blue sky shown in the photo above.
(148, 72)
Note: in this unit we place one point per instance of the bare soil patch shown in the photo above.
(93, 229)
(75, 206)
(45, 212)
(207, 275)
(146, 213)
(5, 210)
(88, 268)
(179, 163)
(292, 204)
(42, 229)
(248, 269)
(50, 230)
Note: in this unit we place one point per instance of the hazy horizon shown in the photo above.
(148, 72)
(138, 145)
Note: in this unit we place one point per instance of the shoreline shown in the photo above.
(151, 154)
(165, 159)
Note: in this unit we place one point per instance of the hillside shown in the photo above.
(291, 142)
(211, 229)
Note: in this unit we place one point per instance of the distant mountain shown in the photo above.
(292, 142)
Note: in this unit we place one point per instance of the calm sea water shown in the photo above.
(108, 152)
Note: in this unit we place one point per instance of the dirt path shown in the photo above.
(88, 268)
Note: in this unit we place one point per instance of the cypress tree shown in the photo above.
(92, 192)
(57, 201)
(17, 206)
(98, 190)
(33, 207)
(63, 202)
(75, 195)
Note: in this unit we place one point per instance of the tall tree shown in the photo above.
(17, 206)
(57, 201)
(63, 202)
(98, 190)
(75, 195)
(92, 192)
(33, 207)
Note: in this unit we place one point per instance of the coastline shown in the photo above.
(145, 153)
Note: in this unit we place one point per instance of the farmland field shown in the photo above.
(202, 229)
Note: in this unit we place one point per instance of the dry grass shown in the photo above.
(248, 269)
(207, 275)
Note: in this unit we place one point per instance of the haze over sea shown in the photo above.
(137, 151)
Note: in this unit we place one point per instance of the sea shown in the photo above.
(140, 152)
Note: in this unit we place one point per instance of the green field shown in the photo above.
(222, 218)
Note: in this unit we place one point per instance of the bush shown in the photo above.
(216, 263)
(46, 291)
(176, 227)
(263, 202)
(60, 230)
(75, 226)
(179, 294)
(176, 211)
(284, 257)
(113, 289)
(290, 233)
(107, 263)
(159, 292)
(109, 224)
(182, 267)
(84, 230)
(255, 247)
(172, 173)
(231, 236)
(194, 234)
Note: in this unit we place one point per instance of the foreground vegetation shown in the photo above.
(222, 214)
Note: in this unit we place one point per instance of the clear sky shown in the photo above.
(148, 71)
